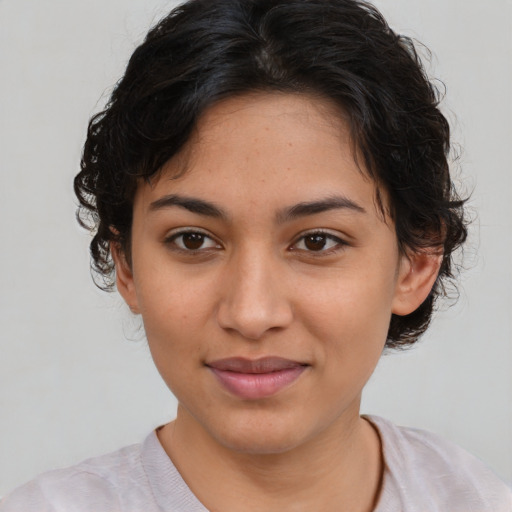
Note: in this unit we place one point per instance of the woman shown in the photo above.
(269, 188)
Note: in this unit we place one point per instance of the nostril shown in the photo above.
(253, 321)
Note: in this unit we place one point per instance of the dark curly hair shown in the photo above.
(343, 50)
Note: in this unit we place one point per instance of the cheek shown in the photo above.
(168, 297)
(171, 312)
(350, 318)
(171, 329)
(350, 308)
(170, 320)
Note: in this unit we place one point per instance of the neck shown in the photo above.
(340, 469)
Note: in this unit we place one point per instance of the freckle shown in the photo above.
(290, 144)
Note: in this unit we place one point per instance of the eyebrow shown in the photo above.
(320, 206)
(209, 209)
(191, 204)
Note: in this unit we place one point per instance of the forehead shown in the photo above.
(276, 122)
(269, 149)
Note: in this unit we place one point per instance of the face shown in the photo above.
(264, 273)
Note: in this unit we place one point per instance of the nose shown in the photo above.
(253, 300)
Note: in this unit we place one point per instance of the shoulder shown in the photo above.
(424, 468)
(94, 484)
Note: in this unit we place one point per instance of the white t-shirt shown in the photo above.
(423, 473)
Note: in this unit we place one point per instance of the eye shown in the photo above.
(318, 241)
(191, 241)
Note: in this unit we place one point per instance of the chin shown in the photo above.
(255, 437)
(259, 444)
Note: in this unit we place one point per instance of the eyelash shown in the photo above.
(172, 238)
(338, 243)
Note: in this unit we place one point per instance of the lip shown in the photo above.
(253, 379)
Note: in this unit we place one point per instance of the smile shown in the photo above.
(255, 379)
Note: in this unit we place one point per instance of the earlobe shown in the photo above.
(124, 278)
(416, 276)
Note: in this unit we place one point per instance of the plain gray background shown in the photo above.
(76, 378)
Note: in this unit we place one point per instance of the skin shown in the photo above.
(255, 286)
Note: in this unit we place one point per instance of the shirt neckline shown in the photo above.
(163, 475)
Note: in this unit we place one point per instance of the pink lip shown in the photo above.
(254, 379)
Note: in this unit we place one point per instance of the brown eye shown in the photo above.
(192, 241)
(315, 242)
(320, 242)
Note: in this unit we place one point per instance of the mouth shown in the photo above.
(253, 379)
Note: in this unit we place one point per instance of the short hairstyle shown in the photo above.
(342, 50)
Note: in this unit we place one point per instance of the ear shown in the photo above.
(416, 276)
(124, 278)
